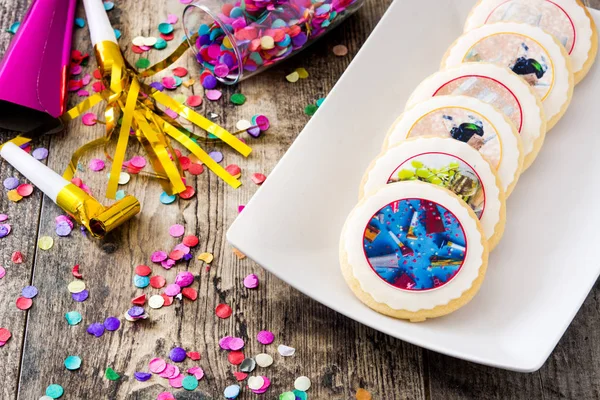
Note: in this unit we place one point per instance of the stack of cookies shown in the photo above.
(433, 203)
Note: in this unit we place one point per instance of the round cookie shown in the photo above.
(499, 87)
(416, 271)
(469, 120)
(447, 163)
(568, 21)
(529, 52)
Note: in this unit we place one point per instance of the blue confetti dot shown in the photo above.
(231, 392)
(165, 28)
(117, 33)
(141, 281)
(119, 195)
(166, 198)
(79, 22)
(13, 28)
(109, 5)
(73, 318)
(72, 363)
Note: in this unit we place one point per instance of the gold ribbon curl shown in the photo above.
(135, 103)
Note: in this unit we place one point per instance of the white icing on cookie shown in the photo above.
(529, 52)
(449, 163)
(398, 295)
(496, 86)
(566, 20)
(445, 116)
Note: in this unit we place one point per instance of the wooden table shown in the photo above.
(338, 354)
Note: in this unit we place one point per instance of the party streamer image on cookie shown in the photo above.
(448, 163)
(467, 120)
(567, 20)
(413, 267)
(499, 87)
(526, 50)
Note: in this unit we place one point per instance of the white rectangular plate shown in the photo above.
(539, 275)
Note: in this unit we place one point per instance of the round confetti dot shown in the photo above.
(40, 153)
(340, 50)
(63, 229)
(14, 196)
(89, 119)
(189, 382)
(157, 365)
(166, 198)
(138, 162)
(109, 5)
(263, 360)
(238, 99)
(362, 394)
(234, 170)
(54, 391)
(76, 286)
(96, 329)
(293, 77)
(25, 189)
(11, 183)
(165, 28)
(4, 230)
(190, 293)
(72, 363)
(24, 303)
(302, 73)
(5, 335)
(158, 256)
(243, 124)
(73, 318)
(124, 178)
(176, 230)
(96, 164)
(3, 217)
(158, 282)
(165, 396)
(191, 241)
(29, 292)
(320, 101)
(287, 396)
(235, 357)
(177, 381)
(81, 296)
(265, 337)
(112, 324)
(194, 101)
(286, 351)
(143, 270)
(236, 343)
(224, 342)
(111, 374)
(231, 392)
(196, 169)
(223, 311)
(143, 63)
(310, 109)
(248, 365)
(251, 281)
(142, 376)
(267, 42)
(177, 354)
(258, 178)
(213, 94)
(45, 243)
(141, 281)
(156, 301)
(300, 395)
(206, 257)
(302, 383)
(255, 382)
(172, 290)
(17, 257)
(2, 272)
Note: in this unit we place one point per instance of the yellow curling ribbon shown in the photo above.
(136, 102)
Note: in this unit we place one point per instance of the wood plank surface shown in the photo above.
(339, 355)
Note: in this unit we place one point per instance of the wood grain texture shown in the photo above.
(338, 354)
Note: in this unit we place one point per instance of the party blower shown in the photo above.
(34, 69)
(86, 210)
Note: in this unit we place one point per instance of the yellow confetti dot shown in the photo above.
(267, 42)
(293, 77)
(13, 195)
(302, 73)
(45, 243)
(239, 254)
(362, 394)
(226, 43)
(189, 82)
(77, 286)
(206, 257)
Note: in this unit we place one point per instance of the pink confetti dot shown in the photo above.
(89, 119)
(158, 256)
(258, 178)
(197, 372)
(265, 337)
(224, 342)
(169, 82)
(171, 113)
(2, 272)
(96, 164)
(176, 230)
(172, 19)
(157, 365)
(176, 382)
(3, 217)
(170, 372)
(251, 281)
(172, 290)
(213, 95)
(167, 395)
(264, 387)
(138, 162)
(236, 343)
